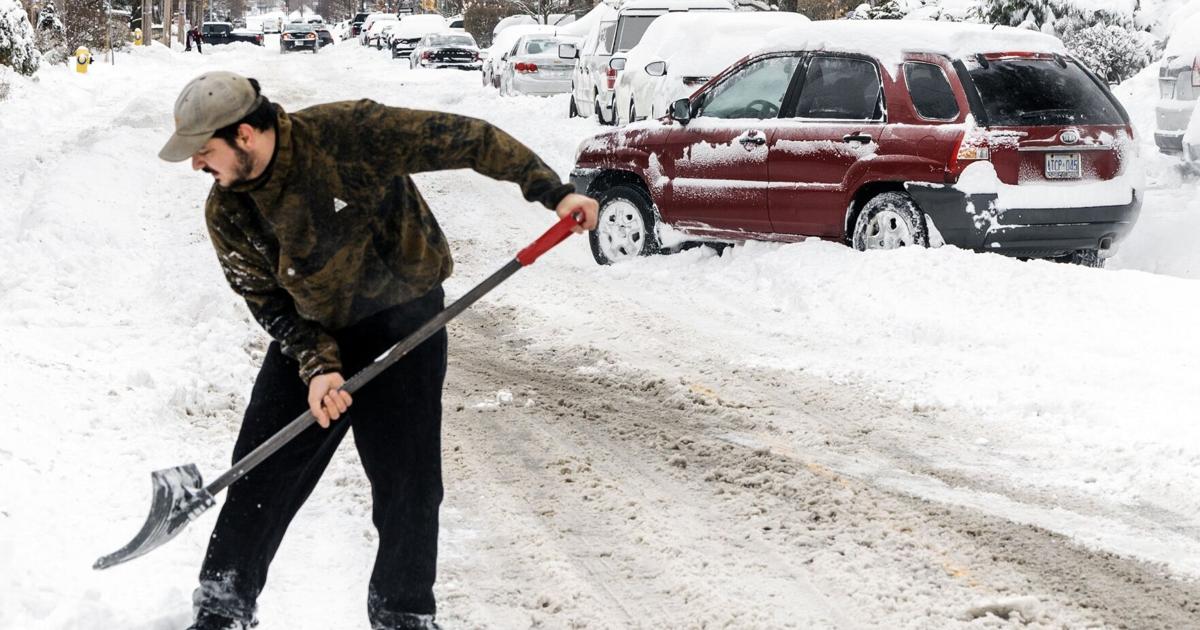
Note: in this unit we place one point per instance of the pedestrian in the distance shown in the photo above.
(317, 223)
(194, 35)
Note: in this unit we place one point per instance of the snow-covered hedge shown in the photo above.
(17, 49)
(1113, 52)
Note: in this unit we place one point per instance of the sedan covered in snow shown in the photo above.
(446, 50)
(534, 67)
(299, 36)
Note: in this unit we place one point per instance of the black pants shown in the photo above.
(396, 420)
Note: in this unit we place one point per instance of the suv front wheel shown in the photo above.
(890, 220)
(626, 226)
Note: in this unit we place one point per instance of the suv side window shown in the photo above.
(930, 90)
(755, 91)
(841, 88)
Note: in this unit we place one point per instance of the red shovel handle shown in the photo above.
(555, 235)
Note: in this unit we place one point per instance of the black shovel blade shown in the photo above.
(179, 497)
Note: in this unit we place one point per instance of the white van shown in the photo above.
(632, 21)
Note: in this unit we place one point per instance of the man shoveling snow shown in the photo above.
(318, 225)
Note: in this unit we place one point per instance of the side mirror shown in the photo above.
(617, 63)
(568, 51)
(681, 111)
(657, 69)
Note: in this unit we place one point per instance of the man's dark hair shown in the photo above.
(262, 118)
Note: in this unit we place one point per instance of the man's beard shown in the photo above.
(245, 166)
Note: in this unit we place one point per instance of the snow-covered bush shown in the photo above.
(1049, 16)
(1111, 51)
(17, 48)
(50, 34)
(889, 10)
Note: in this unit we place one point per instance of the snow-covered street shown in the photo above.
(777, 436)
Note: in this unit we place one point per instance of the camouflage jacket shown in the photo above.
(335, 230)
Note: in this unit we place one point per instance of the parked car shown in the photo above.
(534, 67)
(671, 63)
(357, 23)
(324, 35)
(455, 23)
(592, 57)
(633, 19)
(225, 33)
(494, 59)
(299, 36)
(1179, 87)
(879, 135)
(411, 29)
(446, 50)
(372, 25)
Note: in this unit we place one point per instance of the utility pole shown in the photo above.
(147, 23)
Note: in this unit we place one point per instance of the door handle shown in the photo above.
(753, 138)
(857, 137)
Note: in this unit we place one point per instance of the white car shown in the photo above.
(493, 60)
(1176, 130)
(374, 21)
(533, 66)
(591, 61)
(671, 63)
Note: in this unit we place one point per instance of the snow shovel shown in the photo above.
(180, 495)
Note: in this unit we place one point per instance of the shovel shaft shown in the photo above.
(527, 256)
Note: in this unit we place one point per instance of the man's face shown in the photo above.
(227, 164)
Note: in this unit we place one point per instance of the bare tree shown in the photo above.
(541, 10)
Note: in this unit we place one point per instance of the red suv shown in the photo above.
(880, 135)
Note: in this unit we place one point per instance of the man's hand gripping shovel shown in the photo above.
(180, 495)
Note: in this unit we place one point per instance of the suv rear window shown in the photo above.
(1032, 92)
(360, 18)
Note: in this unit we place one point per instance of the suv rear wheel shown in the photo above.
(890, 220)
(626, 226)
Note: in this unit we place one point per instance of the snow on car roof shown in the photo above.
(1185, 39)
(510, 35)
(889, 40)
(731, 36)
(586, 24)
(674, 5)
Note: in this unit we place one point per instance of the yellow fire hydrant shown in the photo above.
(137, 37)
(83, 59)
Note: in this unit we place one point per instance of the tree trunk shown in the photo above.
(168, 20)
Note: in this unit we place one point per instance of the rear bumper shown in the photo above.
(530, 85)
(299, 45)
(972, 222)
(465, 65)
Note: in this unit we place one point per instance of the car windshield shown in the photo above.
(299, 28)
(1033, 92)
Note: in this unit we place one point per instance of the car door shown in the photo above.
(836, 120)
(716, 164)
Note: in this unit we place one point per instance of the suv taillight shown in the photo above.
(426, 55)
(973, 146)
(1196, 71)
(610, 76)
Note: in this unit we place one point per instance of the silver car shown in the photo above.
(590, 73)
(533, 66)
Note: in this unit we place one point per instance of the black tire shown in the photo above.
(596, 107)
(890, 220)
(632, 113)
(613, 202)
(573, 110)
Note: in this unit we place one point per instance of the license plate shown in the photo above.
(1064, 166)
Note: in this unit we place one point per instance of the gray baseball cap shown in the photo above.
(209, 102)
